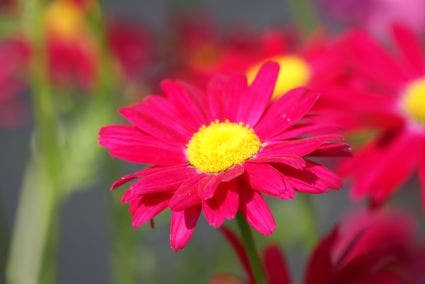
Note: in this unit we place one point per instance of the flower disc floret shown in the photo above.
(220, 145)
(414, 101)
(295, 72)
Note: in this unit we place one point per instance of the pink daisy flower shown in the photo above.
(220, 152)
(388, 97)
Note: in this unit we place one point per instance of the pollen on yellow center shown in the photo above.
(294, 72)
(64, 18)
(220, 145)
(414, 101)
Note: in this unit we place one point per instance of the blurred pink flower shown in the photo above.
(385, 96)
(132, 46)
(14, 56)
(72, 52)
(377, 15)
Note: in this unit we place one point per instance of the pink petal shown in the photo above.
(320, 268)
(325, 175)
(182, 226)
(300, 147)
(231, 173)
(236, 88)
(208, 185)
(391, 165)
(125, 179)
(128, 196)
(310, 128)
(422, 177)
(411, 48)
(333, 150)
(217, 95)
(187, 194)
(224, 204)
(380, 65)
(149, 207)
(259, 93)
(255, 210)
(185, 104)
(163, 179)
(275, 265)
(265, 178)
(128, 143)
(287, 159)
(155, 123)
(285, 112)
(313, 178)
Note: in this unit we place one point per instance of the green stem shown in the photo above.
(249, 243)
(33, 255)
(4, 237)
(303, 15)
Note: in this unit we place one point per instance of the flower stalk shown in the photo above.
(251, 249)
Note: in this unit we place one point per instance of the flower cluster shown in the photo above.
(230, 125)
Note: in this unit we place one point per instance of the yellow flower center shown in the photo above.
(64, 19)
(220, 145)
(414, 101)
(294, 72)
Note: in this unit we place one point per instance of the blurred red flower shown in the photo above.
(132, 46)
(14, 56)
(385, 95)
(368, 247)
(72, 52)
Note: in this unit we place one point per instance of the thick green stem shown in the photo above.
(33, 249)
(249, 243)
(303, 15)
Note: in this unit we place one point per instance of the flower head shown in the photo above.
(219, 152)
(387, 97)
(72, 52)
(369, 247)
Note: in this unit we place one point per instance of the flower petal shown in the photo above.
(224, 204)
(275, 265)
(411, 48)
(267, 179)
(231, 173)
(255, 210)
(287, 159)
(391, 164)
(259, 94)
(124, 179)
(186, 105)
(182, 226)
(163, 178)
(285, 112)
(155, 122)
(130, 144)
(208, 185)
(187, 194)
(149, 207)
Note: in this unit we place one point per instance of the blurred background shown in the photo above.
(91, 223)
